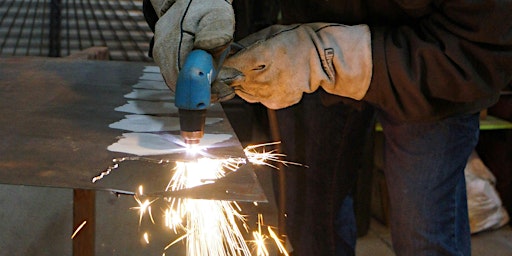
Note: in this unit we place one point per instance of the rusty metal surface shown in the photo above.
(54, 125)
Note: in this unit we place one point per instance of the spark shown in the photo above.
(146, 237)
(78, 229)
(173, 220)
(277, 241)
(260, 238)
(265, 157)
(144, 206)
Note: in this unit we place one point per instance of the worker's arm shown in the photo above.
(455, 59)
(183, 25)
(280, 63)
(451, 57)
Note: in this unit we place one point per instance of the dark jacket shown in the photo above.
(431, 58)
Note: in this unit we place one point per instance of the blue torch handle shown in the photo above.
(193, 88)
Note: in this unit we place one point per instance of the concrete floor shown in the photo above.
(490, 243)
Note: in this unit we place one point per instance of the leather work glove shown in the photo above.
(280, 63)
(184, 25)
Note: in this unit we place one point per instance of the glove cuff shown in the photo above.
(346, 59)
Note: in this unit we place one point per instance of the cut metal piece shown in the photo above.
(240, 185)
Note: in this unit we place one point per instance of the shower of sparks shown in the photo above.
(208, 227)
(78, 229)
(211, 227)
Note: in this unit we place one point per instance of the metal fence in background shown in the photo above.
(58, 28)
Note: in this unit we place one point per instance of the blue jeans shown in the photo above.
(424, 169)
(345, 225)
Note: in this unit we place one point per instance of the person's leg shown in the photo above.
(424, 169)
(329, 140)
(345, 227)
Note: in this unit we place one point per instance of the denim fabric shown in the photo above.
(424, 170)
(345, 226)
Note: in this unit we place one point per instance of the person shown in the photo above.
(426, 68)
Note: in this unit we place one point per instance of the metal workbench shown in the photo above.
(55, 130)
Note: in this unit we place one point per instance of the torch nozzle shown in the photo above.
(192, 137)
(192, 125)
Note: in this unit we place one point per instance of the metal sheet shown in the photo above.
(54, 124)
(241, 185)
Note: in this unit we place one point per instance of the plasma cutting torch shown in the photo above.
(193, 93)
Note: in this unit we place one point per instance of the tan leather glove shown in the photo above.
(280, 63)
(184, 25)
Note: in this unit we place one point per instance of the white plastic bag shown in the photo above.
(484, 204)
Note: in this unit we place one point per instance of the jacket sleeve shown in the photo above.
(453, 58)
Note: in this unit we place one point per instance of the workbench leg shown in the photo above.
(84, 208)
(276, 136)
